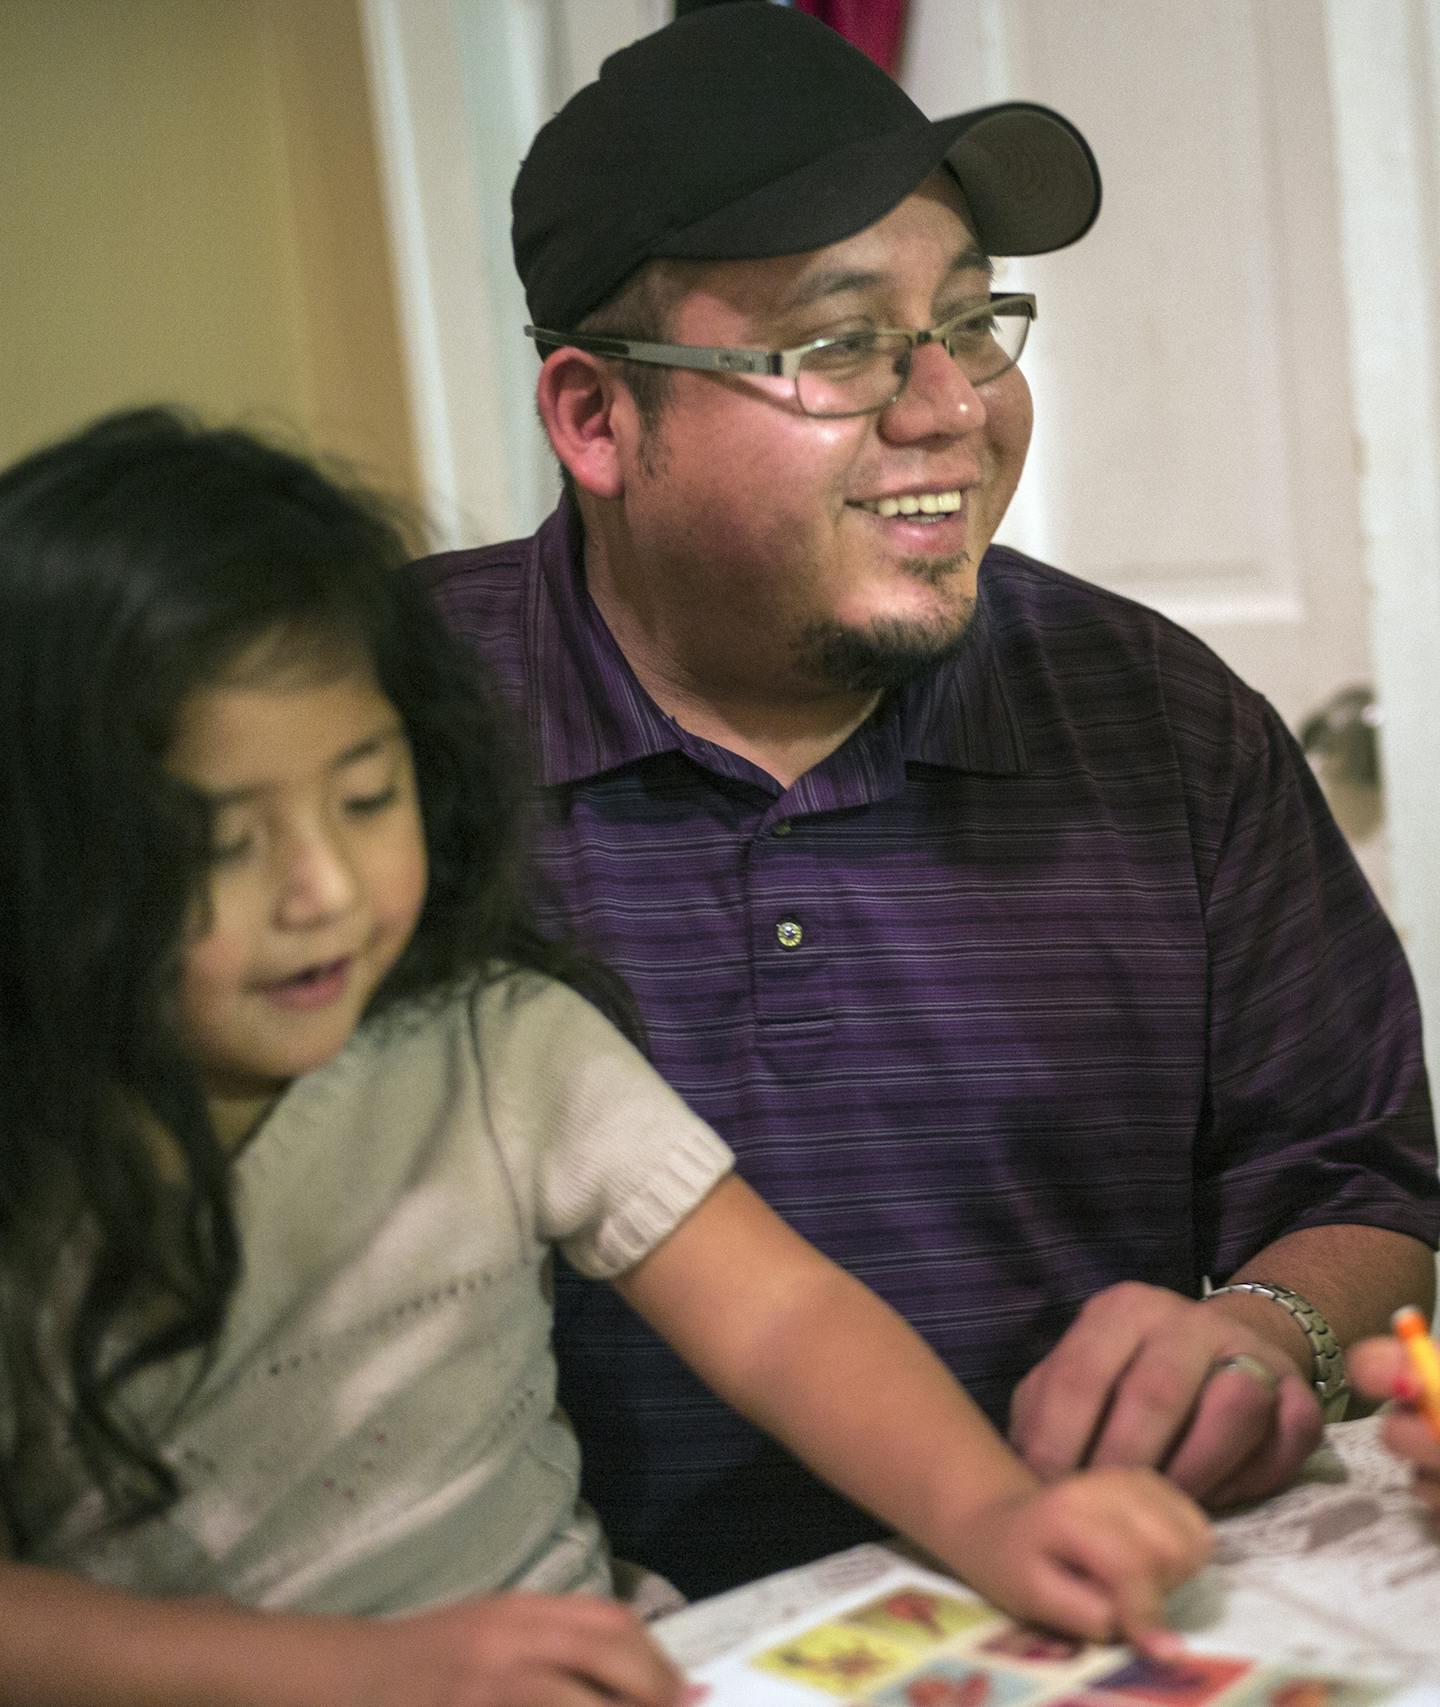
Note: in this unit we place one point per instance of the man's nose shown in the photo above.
(317, 879)
(938, 400)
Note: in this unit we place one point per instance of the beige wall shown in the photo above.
(190, 212)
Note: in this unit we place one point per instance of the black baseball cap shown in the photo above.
(743, 131)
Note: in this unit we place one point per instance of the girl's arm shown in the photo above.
(65, 1642)
(816, 1359)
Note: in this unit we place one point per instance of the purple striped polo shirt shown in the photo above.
(1056, 973)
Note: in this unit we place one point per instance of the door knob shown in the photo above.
(1340, 738)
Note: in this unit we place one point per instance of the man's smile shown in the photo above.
(943, 502)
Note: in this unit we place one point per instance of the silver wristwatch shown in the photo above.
(1332, 1386)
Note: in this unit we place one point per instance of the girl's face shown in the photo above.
(317, 876)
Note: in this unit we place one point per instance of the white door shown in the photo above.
(1195, 440)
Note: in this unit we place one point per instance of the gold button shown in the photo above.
(783, 827)
(788, 934)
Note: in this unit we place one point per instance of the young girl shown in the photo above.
(293, 1106)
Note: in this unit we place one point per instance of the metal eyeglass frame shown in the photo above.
(786, 364)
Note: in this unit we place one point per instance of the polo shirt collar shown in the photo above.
(962, 715)
(587, 711)
(589, 714)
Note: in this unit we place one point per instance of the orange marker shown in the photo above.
(1414, 1334)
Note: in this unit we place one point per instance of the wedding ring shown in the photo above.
(1262, 1372)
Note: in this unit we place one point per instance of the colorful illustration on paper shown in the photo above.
(1187, 1682)
(953, 1683)
(920, 1616)
(836, 1658)
(1035, 1647)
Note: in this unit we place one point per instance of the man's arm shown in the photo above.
(1315, 1109)
(1355, 1276)
(1134, 1381)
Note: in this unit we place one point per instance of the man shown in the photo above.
(995, 924)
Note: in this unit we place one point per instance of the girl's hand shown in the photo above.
(1379, 1369)
(517, 1650)
(1093, 1554)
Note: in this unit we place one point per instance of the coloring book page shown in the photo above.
(1343, 1569)
(1325, 1596)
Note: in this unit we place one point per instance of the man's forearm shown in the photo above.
(1354, 1276)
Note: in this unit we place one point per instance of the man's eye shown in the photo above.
(364, 805)
(840, 354)
(973, 334)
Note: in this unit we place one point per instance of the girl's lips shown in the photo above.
(317, 987)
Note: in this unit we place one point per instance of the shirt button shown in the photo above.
(783, 827)
(788, 934)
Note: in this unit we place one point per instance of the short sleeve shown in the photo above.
(605, 1158)
(1318, 1110)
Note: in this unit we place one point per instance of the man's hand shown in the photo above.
(1142, 1378)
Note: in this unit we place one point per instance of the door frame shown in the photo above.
(1384, 58)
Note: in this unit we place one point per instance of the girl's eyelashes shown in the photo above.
(363, 805)
(234, 848)
(231, 852)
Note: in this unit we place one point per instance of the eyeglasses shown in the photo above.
(857, 373)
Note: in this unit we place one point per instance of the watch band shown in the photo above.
(1332, 1386)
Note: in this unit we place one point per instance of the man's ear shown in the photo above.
(577, 395)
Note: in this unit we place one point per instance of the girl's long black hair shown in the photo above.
(140, 560)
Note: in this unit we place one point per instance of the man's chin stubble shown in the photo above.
(887, 654)
(883, 655)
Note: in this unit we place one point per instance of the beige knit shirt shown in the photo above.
(378, 1430)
